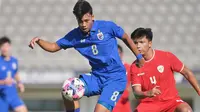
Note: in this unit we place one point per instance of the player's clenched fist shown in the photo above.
(21, 87)
(154, 92)
(33, 41)
(140, 63)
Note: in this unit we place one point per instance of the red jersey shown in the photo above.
(158, 71)
(123, 104)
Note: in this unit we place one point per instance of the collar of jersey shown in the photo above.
(152, 56)
(94, 26)
(1, 57)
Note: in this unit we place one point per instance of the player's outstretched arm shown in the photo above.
(188, 74)
(1, 82)
(133, 48)
(47, 46)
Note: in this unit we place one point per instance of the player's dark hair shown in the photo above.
(141, 32)
(120, 48)
(4, 40)
(81, 8)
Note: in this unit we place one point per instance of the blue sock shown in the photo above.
(76, 110)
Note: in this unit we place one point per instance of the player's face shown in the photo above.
(5, 49)
(85, 24)
(143, 44)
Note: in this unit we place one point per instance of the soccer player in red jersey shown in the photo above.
(123, 104)
(154, 84)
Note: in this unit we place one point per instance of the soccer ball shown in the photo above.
(73, 89)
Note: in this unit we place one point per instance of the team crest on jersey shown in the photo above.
(100, 35)
(160, 68)
(14, 66)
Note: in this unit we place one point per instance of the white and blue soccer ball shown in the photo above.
(73, 89)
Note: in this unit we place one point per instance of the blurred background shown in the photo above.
(175, 24)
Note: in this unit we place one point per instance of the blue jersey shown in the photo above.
(9, 93)
(8, 68)
(99, 46)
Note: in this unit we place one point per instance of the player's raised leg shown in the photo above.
(108, 99)
(71, 106)
(101, 108)
(111, 93)
(183, 107)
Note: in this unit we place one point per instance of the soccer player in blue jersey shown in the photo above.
(9, 79)
(96, 41)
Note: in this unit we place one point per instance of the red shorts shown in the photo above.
(159, 106)
(122, 107)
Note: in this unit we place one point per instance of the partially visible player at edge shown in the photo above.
(96, 41)
(154, 84)
(123, 105)
(9, 79)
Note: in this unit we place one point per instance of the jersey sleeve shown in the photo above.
(66, 41)
(135, 78)
(175, 64)
(117, 31)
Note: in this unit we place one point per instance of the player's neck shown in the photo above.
(85, 34)
(7, 58)
(149, 55)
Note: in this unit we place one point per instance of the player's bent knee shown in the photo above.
(184, 108)
(101, 108)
